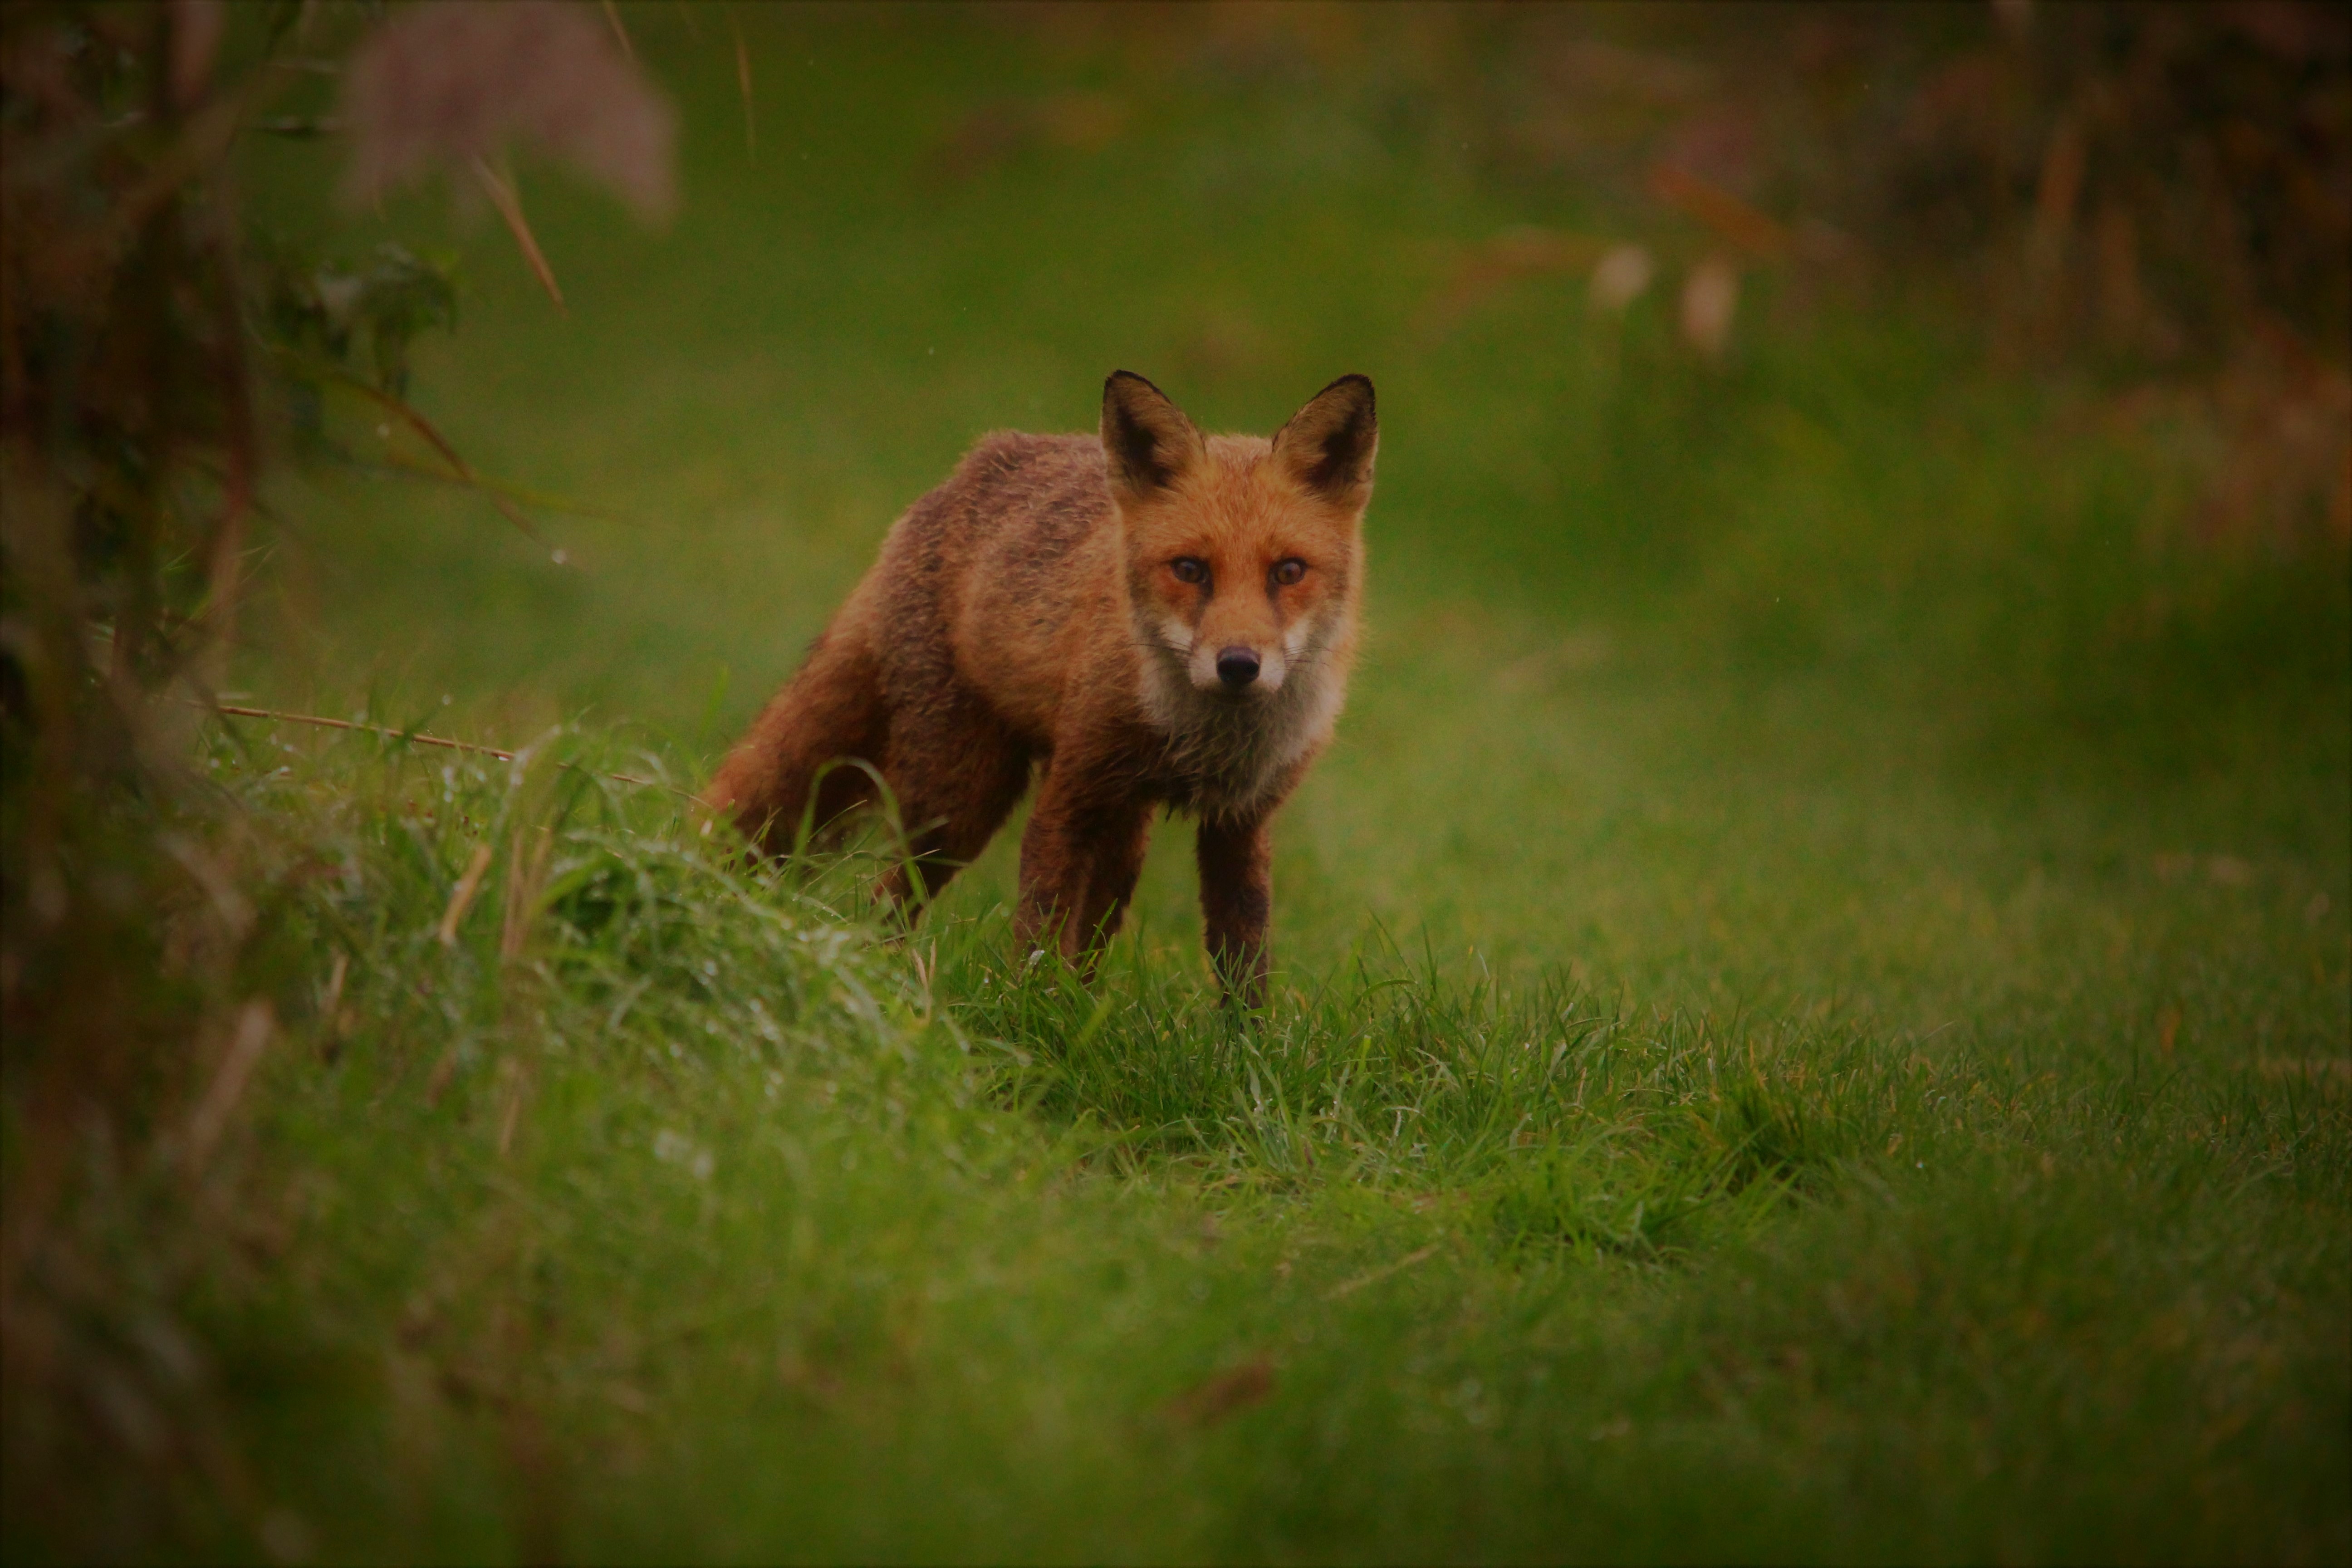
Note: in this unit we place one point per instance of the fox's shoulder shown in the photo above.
(1014, 466)
(1036, 494)
(987, 572)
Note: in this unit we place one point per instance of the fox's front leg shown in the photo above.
(1236, 902)
(1079, 860)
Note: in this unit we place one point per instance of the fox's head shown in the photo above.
(1242, 554)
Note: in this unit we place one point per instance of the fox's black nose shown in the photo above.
(1236, 667)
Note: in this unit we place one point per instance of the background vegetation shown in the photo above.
(1816, 1002)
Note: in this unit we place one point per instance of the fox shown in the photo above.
(1143, 618)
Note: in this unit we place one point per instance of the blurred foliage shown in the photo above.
(129, 444)
(329, 309)
(153, 354)
(2156, 194)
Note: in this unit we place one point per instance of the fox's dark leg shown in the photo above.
(956, 774)
(1236, 902)
(1081, 858)
(1116, 862)
(832, 710)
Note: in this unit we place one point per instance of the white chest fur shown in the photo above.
(1228, 755)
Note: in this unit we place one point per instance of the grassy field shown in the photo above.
(1814, 1007)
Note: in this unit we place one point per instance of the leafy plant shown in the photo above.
(147, 343)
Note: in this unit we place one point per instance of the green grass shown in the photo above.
(700, 1226)
(1814, 991)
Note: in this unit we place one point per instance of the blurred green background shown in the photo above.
(1683, 669)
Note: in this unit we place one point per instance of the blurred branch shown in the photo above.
(461, 471)
(541, 500)
(1734, 220)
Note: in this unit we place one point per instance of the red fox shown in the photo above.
(1149, 617)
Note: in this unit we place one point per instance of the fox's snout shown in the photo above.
(1235, 667)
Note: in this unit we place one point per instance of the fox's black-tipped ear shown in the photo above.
(1328, 445)
(1148, 439)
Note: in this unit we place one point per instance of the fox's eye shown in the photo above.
(1190, 569)
(1288, 572)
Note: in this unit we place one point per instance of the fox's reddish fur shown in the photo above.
(1063, 602)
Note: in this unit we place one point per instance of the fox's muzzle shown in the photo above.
(1235, 670)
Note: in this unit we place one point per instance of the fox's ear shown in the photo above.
(1148, 439)
(1328, 445)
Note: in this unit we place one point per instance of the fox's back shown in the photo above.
(1008, 571)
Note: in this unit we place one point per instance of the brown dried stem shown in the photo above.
(743, 84)
(415, 737)
(508, 201)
